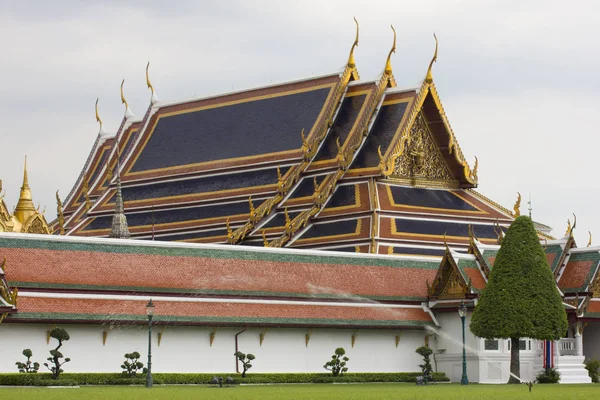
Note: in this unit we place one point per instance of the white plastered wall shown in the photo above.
(187, 349)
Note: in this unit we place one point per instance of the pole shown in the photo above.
(149, 374)
(464, 380)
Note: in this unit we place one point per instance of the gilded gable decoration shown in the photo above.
(422, 159)
(8, 295)
(449, 282)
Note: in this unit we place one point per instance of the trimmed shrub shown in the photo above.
(132, 365)
(61, 335)
(337, 364)
(425, 352)
(28, 367)
(593, 367)
(245, 359)
(17, 379)
(549, 375)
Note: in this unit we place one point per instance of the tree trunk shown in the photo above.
(515, 364)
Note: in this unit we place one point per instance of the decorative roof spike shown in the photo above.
(278, 174)
(229, 231)
(388, 62)
(98, 119)
(590, 240)
(498, 231)
(351, 62)
(154, 99)
(445, 242)
(251, 205)
(429, 76)
(315, 184)
(568, 231)
(574, 225)
(265, 241)
(287, 217)
(475, 168)
(517, 206)
(128, 112)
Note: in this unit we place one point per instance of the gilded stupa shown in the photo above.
(26, 218)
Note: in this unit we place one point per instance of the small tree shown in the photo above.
(521, 299)
(425, 352)
(245, 359)
(132, 365)
(28, 367)
(61, 335)
(337, 364)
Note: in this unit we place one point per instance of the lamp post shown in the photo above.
(462, 311)
(150, 313)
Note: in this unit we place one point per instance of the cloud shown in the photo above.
(517, 78)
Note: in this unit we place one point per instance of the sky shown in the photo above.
(518, 79)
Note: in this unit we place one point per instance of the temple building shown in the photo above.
(356, 221)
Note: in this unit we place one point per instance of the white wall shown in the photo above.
(187, 349)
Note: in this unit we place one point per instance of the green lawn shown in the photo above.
(319, 391)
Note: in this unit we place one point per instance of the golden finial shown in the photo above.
(278, 174)
(388, 62)
(287, 217)
(304, 142)
(315, 184)
(251, 205)
(148, 79)
(351, 62)
(475, 167)
(59, 213)
(574, 224)
(265, 241)
(445, 242)
(25, 178)
(568, 231)
(589, 241)
(429, 76)
(123, 96)
(98, 115)
(517, 206)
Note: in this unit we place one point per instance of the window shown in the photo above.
(523, 344)
(491, 345)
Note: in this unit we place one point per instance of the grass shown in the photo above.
(313, 391)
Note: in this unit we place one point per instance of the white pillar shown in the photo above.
(579, 339)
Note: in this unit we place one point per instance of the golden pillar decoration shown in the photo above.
(398, 337)
(212, 335)
(354, 336)
(261, 336)
(160, 334)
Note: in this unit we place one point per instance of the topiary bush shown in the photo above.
(425, 352)
(549, 375)
(245, 359)
(593, 367)
(132, 365)
(61, 335)
(28, 367)
(337, 364)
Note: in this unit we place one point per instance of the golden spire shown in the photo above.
(25, 207)
(148, 79)
(98, 115)
(60, 216)
(123, 96)
(351, 62)
(429, 76)
(517, 206)
(589, 241)
(388, 62)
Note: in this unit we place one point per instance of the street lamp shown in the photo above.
(150, 313)
(462, 311)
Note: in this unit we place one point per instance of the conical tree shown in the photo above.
(521, 299)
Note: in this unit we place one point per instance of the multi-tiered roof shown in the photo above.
(327, 162)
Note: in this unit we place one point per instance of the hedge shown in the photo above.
(70, 379)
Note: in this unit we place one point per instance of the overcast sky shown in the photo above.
(518, 79)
